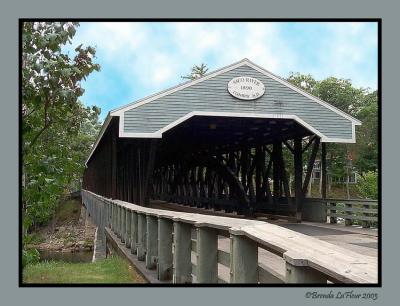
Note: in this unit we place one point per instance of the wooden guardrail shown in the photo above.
(164, 240)
(360, 211)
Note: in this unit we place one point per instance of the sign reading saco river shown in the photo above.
(246, 88)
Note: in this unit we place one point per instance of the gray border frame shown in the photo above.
(11, 294)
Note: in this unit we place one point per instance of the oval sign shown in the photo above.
(246, 88)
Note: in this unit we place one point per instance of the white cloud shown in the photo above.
(349, 51)
(140, 54)
(154, 56)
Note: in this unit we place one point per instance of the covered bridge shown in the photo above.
(216, 142)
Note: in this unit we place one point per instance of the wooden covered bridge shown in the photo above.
(217, 142)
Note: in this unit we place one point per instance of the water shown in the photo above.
(83, 256)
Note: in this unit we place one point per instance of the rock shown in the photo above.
(69, 245)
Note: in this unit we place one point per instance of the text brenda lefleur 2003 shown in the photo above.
(342, 295)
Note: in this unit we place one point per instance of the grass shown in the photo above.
(112, 270)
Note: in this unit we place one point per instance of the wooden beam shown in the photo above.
(310, 165)
(310, 141)
(298, 177)
(285, 179)
(323, 170)
(276, 153)
(268, 150)
(266, 188)
(260, 166)
(227, 174)
(287, 145)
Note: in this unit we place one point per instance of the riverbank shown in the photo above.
(69, 231)
(113, 270)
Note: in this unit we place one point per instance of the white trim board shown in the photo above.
(159, 133)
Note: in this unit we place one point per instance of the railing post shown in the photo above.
(348, 222)
(182, 263)
(151, 242)
(141, 247)
(332, 220)
(244, 258)
(207, 255)
(107, 207)
(365, 223)
(298, 272)
(115, 218)
(128, 219)
(112, 216)
(109, 214)
(120, 222)
(118, 225)
(164, 264)
(123, 222)
(134, 232)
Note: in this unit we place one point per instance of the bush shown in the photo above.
(30, 256)
(367, 185)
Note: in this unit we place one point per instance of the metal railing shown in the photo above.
(184, 247)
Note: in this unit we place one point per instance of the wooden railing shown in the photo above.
(184, 247)
(352, 211)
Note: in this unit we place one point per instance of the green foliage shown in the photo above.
(34, 238)
(367, 185)
(366, 147)
(57, 129)
(30, 257)
(196, 72)
(358, 102)
(107, 271)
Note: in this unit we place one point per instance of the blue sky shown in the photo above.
(139, 59)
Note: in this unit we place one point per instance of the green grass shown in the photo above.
(113, 270)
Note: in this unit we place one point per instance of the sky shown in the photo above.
(141, 58)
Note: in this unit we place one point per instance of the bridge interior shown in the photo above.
(232, 163)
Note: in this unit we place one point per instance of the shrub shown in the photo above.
(367, 185)
(30, 256)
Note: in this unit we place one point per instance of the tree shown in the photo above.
(366, 148)
(367, 185)
(57, 130)
(51, 80)
(196, 72)
(358, 102)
